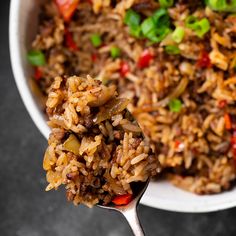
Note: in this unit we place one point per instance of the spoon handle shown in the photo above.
(133, 220)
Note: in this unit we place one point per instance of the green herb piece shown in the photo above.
(115, 52)
(178, 34)
(175, 105)
(36, 58)
(166, 3)
(222, 5)
(172, 50)
(133, 20)
(96, 40)
(200, 27)
(161, 18)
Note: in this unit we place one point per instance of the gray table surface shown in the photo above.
(26, 210)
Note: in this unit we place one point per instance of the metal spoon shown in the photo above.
(129, 211)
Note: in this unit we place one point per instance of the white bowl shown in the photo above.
(23, 25)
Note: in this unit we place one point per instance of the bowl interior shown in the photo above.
(23, 25)
(22, 30)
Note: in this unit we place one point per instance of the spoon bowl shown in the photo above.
(129, 211)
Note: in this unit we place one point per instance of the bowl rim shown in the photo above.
(18, 72)
(38, 119)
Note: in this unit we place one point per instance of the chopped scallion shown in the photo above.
(222, 5)
(190, 21)
(175, 105)
(148, 26)
(172, 50)
(200, 27)
(36, 58)
(178, 34)
(115, 52)
(132, 18)
(96, 40)
(161, 18)
(166, 3)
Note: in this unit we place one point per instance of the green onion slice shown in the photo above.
(96, 40)
(132, 18)
(172, 50)
(191, 21)
(222, 5)
(36, 58)
(115, 52)
(148, 26)
(178, 34)
(175, 105)
(166, 3)
(200, 27)
(161, 18)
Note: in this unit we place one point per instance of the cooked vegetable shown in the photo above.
(133, 20)
(96, 40)
(70, 43)
(145, 59)
(227, 119)
(161, 18)
(122, 199)
(148, 27)
(166, 3)
(36, 58)
(222, 103)
(177, 91)
(106, 94)
(172, 50)
(222, 5)
(177, 144)
(204, 60)
(175, 105)
(72, 144)
(233, 144)
(94, 57)
(38, 73)
(200, 27)
(156, 27)
(115, 52)
(67, 8)
(124, 68)
(110, 109)
(178, 34)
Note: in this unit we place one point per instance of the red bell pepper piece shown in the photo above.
(67, 8)
(122, 199)
(177, 143)
(222, 103)
(38, 74)
(204, 60)
(228, 124)
(94, 57)
(233, 145)
(145, 59)
(124, 68)
(70, 43)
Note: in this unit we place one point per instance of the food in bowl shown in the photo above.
(96, 148)
(175, 61)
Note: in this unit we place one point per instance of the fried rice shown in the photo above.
(196, 145)
(96, 147)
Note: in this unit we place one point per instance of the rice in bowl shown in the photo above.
(182, 92)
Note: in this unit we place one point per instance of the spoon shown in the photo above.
(129, 211)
